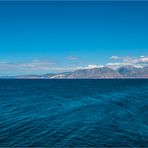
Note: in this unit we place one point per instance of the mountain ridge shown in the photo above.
(105, 72)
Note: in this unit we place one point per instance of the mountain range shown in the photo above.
(94, 73)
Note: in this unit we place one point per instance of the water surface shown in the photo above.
(74, 113)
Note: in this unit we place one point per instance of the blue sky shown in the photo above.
(41, 37)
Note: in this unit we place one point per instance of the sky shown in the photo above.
(44, 36)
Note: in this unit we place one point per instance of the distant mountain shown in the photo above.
(129, 71)
(143, 72)
(94, 73)
(133, 72)
(31, 76)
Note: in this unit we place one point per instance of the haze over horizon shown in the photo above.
(42, 37)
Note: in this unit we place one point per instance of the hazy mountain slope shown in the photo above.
(133, 72)
(94, 73)
(143, 72)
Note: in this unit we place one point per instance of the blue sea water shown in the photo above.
(74, 113)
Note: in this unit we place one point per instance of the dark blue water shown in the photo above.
(74, 113)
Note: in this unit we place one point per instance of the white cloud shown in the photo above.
(89, 67)
(32, 65)
(143, 59)
(142, 56)
(140, 61)
(114, 64)
(135, 60)
(93, 66)
(114, 57)
(45, 66)
(72, 58)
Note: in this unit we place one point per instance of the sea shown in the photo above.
(74, 113)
